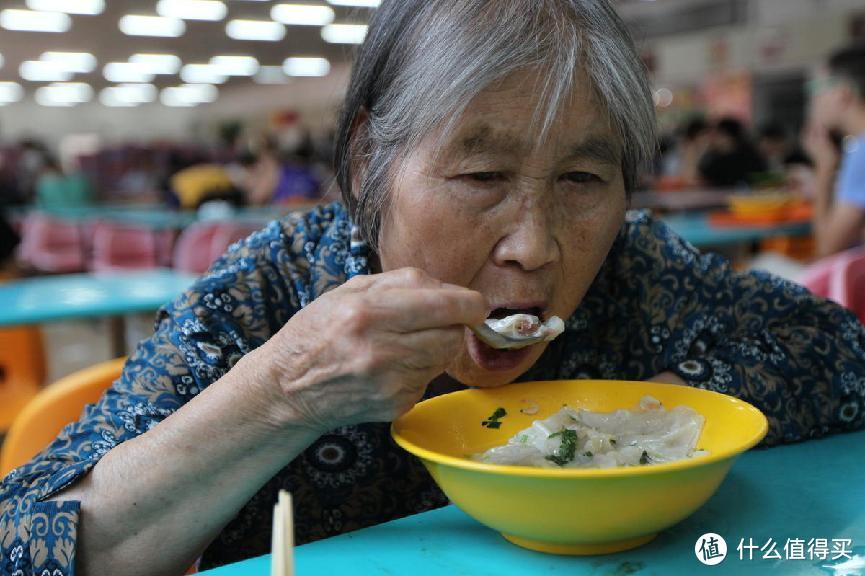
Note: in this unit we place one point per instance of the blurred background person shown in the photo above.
(731, 159)
(272, 177)
(681, 153)
(57, 189)
(774, 147)
(838, 104)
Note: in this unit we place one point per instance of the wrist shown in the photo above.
(267, 402)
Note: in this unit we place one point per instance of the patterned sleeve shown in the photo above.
(227, 313)
(797, 357)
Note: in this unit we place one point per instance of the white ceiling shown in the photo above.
(101, 36)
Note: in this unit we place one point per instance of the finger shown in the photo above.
(405, 278)
(408, 310)
(428, 352)
(400, 278)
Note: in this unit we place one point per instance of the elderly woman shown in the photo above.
(486, 153)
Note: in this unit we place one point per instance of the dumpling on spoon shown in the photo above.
(518, 331)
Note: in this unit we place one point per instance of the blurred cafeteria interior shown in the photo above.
(140, 139)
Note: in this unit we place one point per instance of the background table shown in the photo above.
(63, 297)
(69, 296)
(682, 200)
(696, 229)
(814, 489)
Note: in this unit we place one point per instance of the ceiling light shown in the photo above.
(137, 25)
(157, 63)
(201, 74)
(10, 92)
(302, 14)
(189, 95)
(234, 65)
(344, 33)
(128, 94)
(40, 71)
(192, 9)
(75, 62)
(360, 3)
(126, 72)
(88, 7)
(265, 30)
(306, 66)
(64, 94)
(32, 21)
(108, 97)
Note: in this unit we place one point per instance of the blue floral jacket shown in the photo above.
(656, 305)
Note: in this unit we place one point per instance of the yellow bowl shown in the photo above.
(768, 204)
(573, 511)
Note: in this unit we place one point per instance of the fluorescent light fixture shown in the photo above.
(192, 9)
(157, 63)
(357, 3)
(302, 14)
(108, 97)
(87, 7)
(234, 65)
(264, 30)
(138, 25)
(306, 66)
(139, 93)
(128, 94)
(75, 62)
(32, 21)
(64, 94)
(126, 72)
(201, 74)
(188, 94)
(40, 71)
(344, 33)
(10, 92)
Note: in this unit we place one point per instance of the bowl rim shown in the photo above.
(627, 471)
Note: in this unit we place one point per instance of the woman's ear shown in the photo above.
(359, 148)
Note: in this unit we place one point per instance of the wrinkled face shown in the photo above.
(528, 223)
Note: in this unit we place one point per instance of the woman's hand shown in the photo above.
(366, 351)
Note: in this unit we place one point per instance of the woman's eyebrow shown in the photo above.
(596, 149)
(484, 139)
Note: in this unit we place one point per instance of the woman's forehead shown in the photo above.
(595, 143)
(509, 115)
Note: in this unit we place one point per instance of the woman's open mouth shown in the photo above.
(493, 359)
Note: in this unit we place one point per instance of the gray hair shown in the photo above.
(423, 61)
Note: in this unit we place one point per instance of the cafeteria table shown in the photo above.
(784, 496)
(70, 296)
(680, 200)
(697, 229)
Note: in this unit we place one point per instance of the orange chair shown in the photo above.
(22, 370)
(52, 409)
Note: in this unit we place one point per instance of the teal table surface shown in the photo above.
(696, 229)
(151, 216)
(50, 298)
(812, 490)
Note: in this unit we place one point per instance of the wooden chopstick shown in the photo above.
(282, 542)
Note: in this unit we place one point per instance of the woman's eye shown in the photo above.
(583, 178)
(484, 177)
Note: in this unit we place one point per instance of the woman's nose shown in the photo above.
(530, 241)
